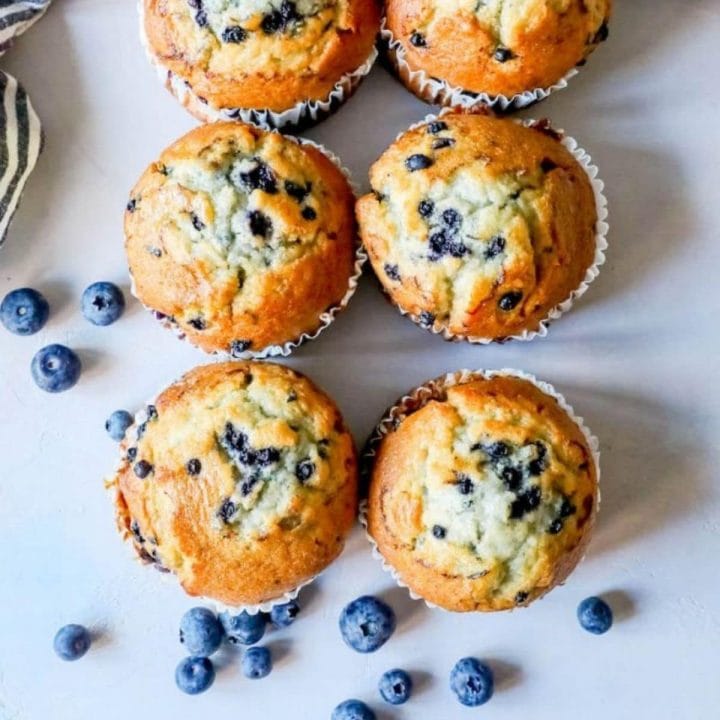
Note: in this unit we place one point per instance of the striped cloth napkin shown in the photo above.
(20, 131)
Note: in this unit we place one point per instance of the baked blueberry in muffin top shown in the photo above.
(219, 237)
(250, 525)
(225, 51)
(496, 47)
(484, 234)
(484, 498)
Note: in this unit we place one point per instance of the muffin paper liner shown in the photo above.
(168, 576)
(325, 319)
(440, 92)
(601, 244)
(418, 398)
(302, 115)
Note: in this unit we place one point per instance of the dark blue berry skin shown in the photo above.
(194, 675)
(353, 710)
(284, 615)
(472, 682)
(72, 642)
(103, 303)
(118, 423)
(595, 615)
(24, 311)
(243, 629)
(55, 368)
(367, 623)
(395, 687)
(418, 162)
(257, 663)
(200, 631)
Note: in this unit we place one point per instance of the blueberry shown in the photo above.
(72, 642)
(436, 126)
(257, 663)
(503, 54)
(197, 223)
(495, 247)
(425, 208)
(261, 177)
(280, 19)
(201, 18)
(234, 34)
(464, 483)
(227, 510)
(510, 300)
(521, 597)
(539, 464)
(439, 532)
(200, 631)
(260, 224)
(418, 40)
(595, 615)
(284, 615)
(131, 205)
(197, 323)
(395, 687)
(142, 469)
(555, 526)
(296, 191)
(24, 311)
(102, 303)
(392, 271)
(194, 675)
(243, 629)
(547, 165)
(131, 454)
(602, 34)
(442, 143)
(452, 218)
(352, 710)
(525, 502)
(55, 368)
(118, 423)
(472, 682)
(193, 466)
(427, 319)
(237, 347)
(442, 243)
(567, 508)
(304, 470)
(308, 213)
(418, 162)
(497, 450)
(367, 623)
(511, 477)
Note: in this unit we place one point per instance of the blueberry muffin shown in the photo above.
(478, 226)
(483, 494)
(494, 48)
(243, 239)
(241, 479)
(223, 57)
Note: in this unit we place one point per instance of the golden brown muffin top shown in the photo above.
(240, 479)
(243, 237)
(483, 499)
(260, 53)
(499, 47)
(479, 225)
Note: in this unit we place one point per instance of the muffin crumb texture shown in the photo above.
(484, 498)
(248, 484)
(477, 225)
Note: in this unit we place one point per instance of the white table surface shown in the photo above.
(637, 357)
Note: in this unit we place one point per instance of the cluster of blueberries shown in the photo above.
(56, 368)
(366, 624)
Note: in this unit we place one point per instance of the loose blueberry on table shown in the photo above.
(118, 423)
(284, 615)
(367, 623)
(353, 710)
(472, 682)
(55, 368)
(194, 675)
(244, 628)
(395, 687)
(257, 663)
(595, 615)
(24, 311)
(72, 642)
(102, 303)
(200, 631)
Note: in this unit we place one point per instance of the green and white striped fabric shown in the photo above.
(20, 146)
(16, 16)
